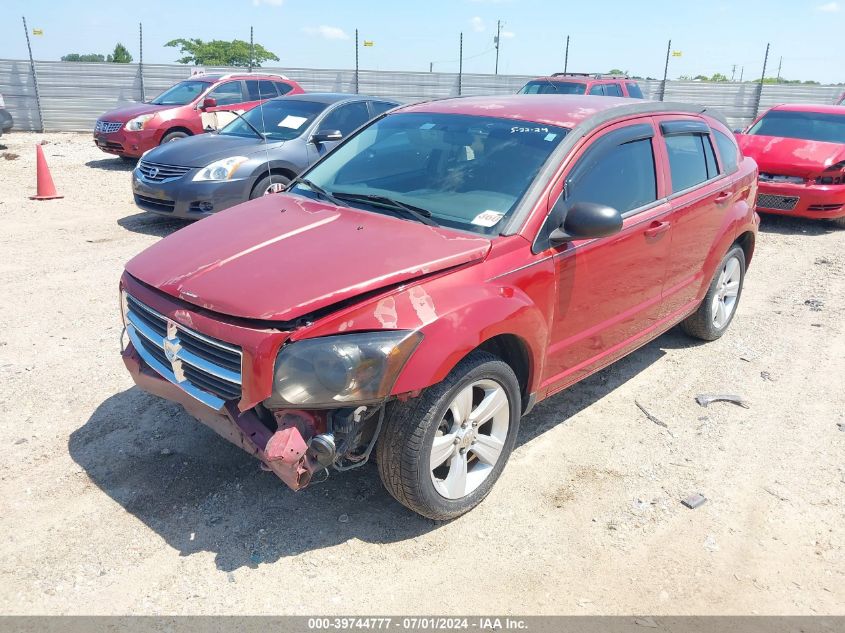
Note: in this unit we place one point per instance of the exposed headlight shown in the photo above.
(220, 169)
(138, 123)
(341, 370)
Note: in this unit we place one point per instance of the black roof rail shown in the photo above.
(591, 75)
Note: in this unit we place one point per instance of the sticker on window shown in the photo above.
(292, 122)
(426, 126)
(550, 137)
(487, 218)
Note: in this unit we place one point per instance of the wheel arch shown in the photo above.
(747, 242)
(175, 128)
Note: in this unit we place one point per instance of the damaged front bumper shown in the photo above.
(284, 451)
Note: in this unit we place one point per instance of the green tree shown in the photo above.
(76, 57)
(718, 77)
(220, 52)
(120, 55)
(616, 71)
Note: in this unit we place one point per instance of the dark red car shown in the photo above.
(800, 150)
(584, 84)
(418, 290)
(131, 130)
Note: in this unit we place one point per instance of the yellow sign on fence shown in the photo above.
(369, 43)
(38, 31)
(677, 54)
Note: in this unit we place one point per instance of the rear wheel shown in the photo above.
(274, 183)
(173, 136)
(717, 310)
(440, 454)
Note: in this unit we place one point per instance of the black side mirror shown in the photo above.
(326, 136)
(587, 220)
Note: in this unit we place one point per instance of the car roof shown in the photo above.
(331, 97)
(809, 107)
(583, 78)
(214, 77)
(561, 110)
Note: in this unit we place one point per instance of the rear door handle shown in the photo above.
(723, 197)
(656, 228)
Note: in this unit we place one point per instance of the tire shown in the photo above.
(404, 450)
(262, 186)
(706, 323)
(173, 136)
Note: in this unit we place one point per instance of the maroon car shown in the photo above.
(417, 291)
(584, 84)
(131, 130)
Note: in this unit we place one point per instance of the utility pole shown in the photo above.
(733, 72)
(460, 63)
(665, 71)
(34, 77)
(741, 74)
(141, 60)
(566, 56)
(251, 50)
(780, 64)
(762, 80)
(356, 61)
(498, 40)
(431, 67)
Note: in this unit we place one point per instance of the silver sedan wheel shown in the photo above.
(727, 291)
(470, 438)
(275, 187)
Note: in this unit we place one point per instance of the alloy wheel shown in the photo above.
(727, 291)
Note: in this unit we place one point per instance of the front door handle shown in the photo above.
(723, 197)
(656, 228)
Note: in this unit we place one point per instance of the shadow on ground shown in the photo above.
(200, 493)
(788, 225)
(112, 164)
(152, 224)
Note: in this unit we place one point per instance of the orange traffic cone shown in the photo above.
(46, 188)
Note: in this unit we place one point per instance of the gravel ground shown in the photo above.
(114, 501)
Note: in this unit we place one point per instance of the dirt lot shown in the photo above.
(114, 501)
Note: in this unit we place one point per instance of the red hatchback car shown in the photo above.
(800, 150)
(450, 264)
(584, 84)
(131, 130)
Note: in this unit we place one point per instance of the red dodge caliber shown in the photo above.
(800, 150)
(418, 290)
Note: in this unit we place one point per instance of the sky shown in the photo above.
(712, 36)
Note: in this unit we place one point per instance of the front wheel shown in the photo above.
(274, 183)
(717, 310)
(173, 136)
(440, 454)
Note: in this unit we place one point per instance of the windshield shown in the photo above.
(279, 119)
(810, 126)
(468, 172)
(182, 93)
(547, 87)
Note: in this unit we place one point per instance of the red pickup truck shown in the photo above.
(131, 130)
(418, 290)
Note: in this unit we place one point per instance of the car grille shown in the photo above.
(155, 204)
(107, 127)
(824, 207)
(781, 178)
(778, 203)
(206, 368)
(155, 172)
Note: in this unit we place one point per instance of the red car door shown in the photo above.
(699, 195)
(609, 290)
(230, 96)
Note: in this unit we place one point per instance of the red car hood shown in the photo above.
(790, 156)
(124, 113)
(282, 256)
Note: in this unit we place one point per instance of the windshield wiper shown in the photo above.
(251, 126)
(319, 191)
(418, 213)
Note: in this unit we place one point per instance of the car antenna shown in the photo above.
(264, 136)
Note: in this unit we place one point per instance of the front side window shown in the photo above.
(467, 172)
(381, 106)
(612, 90)
(346, 118)
(810, 126)
(728, 152)
(549, 87)
(623, 177)
(278, 119)
(691, 160)
(228, 93)
(182, 93)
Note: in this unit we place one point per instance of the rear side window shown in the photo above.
(691, 160)
(381, 106)
(597, 89)
(612, 90)
(283, 88)
(260, 89)
(728, 152)
(623, 178)
(634, 90)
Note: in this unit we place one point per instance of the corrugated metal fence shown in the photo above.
(73, 95)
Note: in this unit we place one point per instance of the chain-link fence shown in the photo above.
(72, 95)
